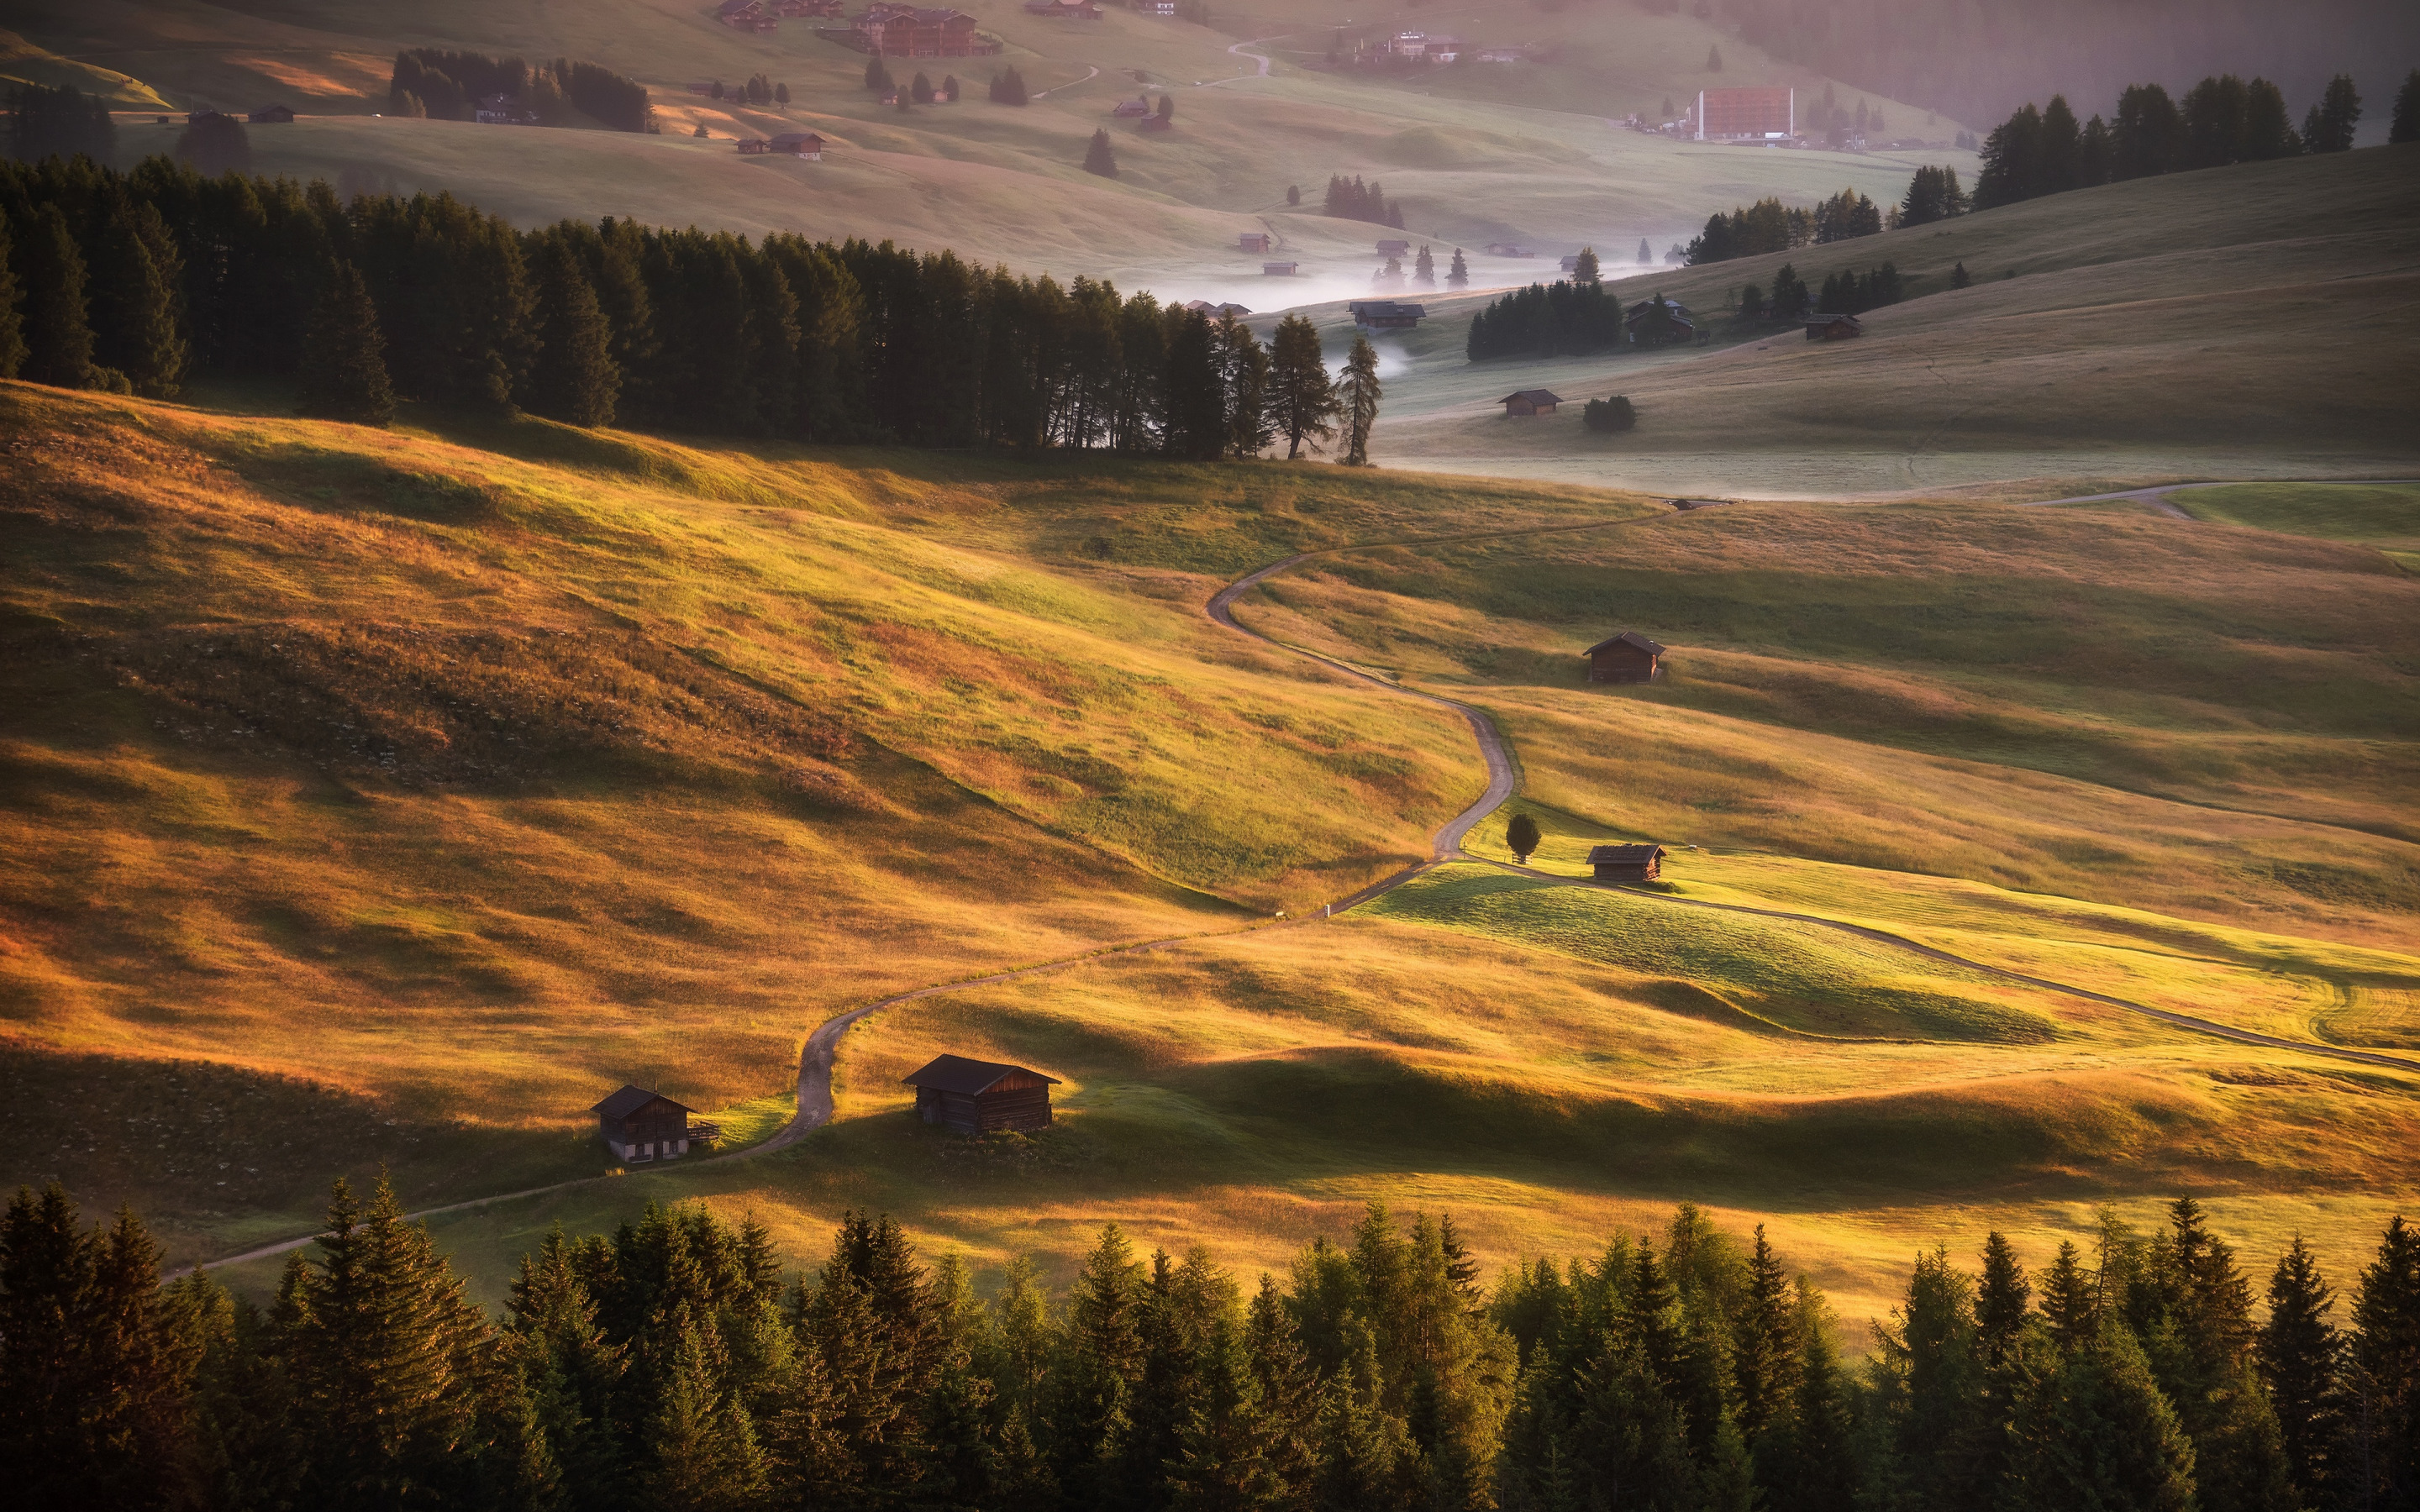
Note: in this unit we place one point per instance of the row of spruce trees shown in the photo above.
(673, 1365)
(138, 281)
(2222, 119)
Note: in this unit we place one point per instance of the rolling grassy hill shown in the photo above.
(995, 183)
(2285, 289)
(383, 798)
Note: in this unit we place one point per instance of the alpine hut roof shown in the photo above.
(1533, 395)
(1627, 637)
(969, 1078)
(631, 1100)
(1624, 854)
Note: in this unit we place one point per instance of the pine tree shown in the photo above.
(134, 299)
(1958, 277)
(1098, 158)
(919, 89)
(2380, 1465)
(1359, 394)
(215, 143)
(2299, 1352)
(2404, 125)
(58, 341)
(699, 1448)
(1424, 269)
(1584, 273)
(1286, 1393)
(1764, 1353)
(1646, 253)
(12, 325)
(1714, 60)
(2097, 1432)
(877, 75)
(576, 379)
(2001, 1303)
(1302, 396)
(344, 356)
(1458, 276)
(2328, 128)
(60, 122)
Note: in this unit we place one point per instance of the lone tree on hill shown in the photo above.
(1521, 838)
(949, 87)
(1958, 278)
(1301, 394)
(1166, 111)
(1360, 393)
(780, 94)
(1584, 273)
(1098, 158)
(216, 145)
(1294, 194)
(343, 357)
(1458, 276)
(1646, 253)
(876, 75)
(921, 89)
(1714, 60)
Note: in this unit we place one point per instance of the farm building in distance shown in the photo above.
(1385, 315)
(1833, 327)
(1678, 327)
(797, 144)
(981, 1096)
(272, 115)
(1746, 115)
(1628, 658)
(1393, 247)
(1508, 249)
(642, 1125)
(1626, 863)
(1280, 269)
(1530, 402)
(916, 31)
(1252, 241)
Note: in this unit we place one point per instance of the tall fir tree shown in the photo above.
(2404, 125)
(2300, 1351)
(2329, 127)
(2380, 1464)
(1098, 156)
(1458, 275)
(1302, 394)
(12, 324)
(2002, 1300)
(2097, 1432)
(575, 379)
(1359, 395)
(58, 339)
(344, 355)
(135, 298)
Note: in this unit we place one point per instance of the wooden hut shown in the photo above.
(1833, 327)
(1626, 863)
(1530, 402)
(1628, 658)
(1280, 269)
(981, 1096)
(1253, 240)
(640, 1124)
(806, 144)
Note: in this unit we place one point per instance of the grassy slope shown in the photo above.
(782, 731)
(2205, 719)
(2284, 288)
(994, 182)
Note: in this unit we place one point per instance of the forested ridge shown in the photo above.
(674, 1364)
(138, 281)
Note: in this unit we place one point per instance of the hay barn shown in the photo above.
(981, 1096)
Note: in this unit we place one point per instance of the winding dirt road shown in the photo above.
(2157, 496)
(815, 1056)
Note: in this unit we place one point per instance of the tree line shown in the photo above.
(138, 281)
(1769, 225)
(2221, 120)
(674, 1366)
(1351, 199)
(448, 85)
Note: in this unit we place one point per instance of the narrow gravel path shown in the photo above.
(2157, 495)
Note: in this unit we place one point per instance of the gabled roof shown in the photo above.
(1830, 319)
(1386, 308)
(1627, 637)
(631, 1100)
(970, 1078)
(1624, 854)
(1533, 395)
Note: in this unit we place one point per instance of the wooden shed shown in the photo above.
(640, 1124)
(1280, 269)
(981, 1096)
(805, 144)
(1626, 863)
(1530, 402)
(1833, 327)
(1253, 240)
(1628, 658)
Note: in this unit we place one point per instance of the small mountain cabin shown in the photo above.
(1530, 402)
(642, 1125)
(1253, 240)
(981, 1096)
(1628, 658)
(1626, 863)
(1280, 269)
(1833, 327)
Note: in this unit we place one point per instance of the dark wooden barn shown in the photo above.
(1530, 402)
(642, 1125)
(1627, 863)
(1833, 327)
(1628, 658)
(982, 1096)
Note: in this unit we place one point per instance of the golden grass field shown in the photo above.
(386, 797)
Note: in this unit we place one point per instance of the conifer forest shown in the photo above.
(678, 1361)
